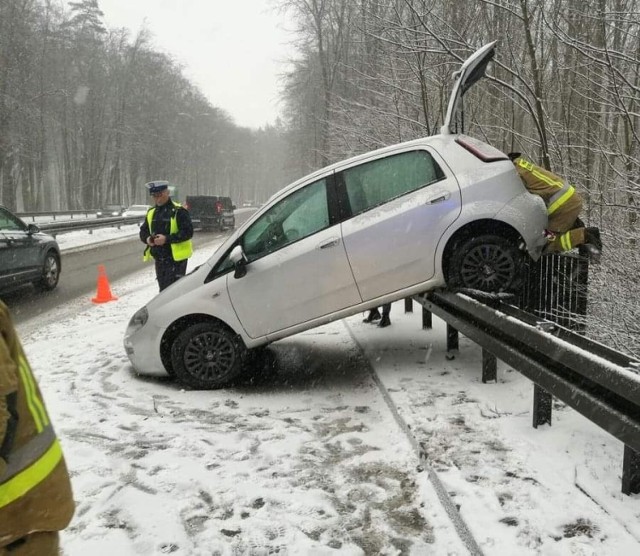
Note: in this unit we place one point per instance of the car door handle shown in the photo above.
(439, 199)
(330, 243)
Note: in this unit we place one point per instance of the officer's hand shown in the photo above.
(150, 240)
(160, 239)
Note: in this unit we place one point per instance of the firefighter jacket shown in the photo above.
(562, 200)
(173, 221)
(35, 491)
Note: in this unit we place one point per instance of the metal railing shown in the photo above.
(541, 335)
(55, 215)
(55, 228)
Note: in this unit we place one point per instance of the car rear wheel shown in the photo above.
(488, 263)
(50, 272)
(207, 356)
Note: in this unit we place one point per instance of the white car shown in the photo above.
(446, 210)
(136, 210)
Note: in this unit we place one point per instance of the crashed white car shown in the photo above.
(446, 210)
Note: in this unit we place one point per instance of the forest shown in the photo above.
(88, 114)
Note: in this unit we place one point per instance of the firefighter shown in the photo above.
(167, 231)
(35, 492)
(564, 230)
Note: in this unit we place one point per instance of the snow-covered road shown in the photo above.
(306, 458)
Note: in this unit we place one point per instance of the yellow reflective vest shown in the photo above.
(179, 251)
(555, 192)
(35, 491)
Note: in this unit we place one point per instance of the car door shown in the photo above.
(21, 254)
(400, 206)
(297, 266)
(5, 260)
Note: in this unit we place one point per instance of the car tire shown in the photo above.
(487, 262)
(207, 356)
(50, 272)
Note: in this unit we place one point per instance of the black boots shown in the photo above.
(593, 244)
(373, 315)
(385, 321)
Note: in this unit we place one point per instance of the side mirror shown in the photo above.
(32, 229)
(233, 207)
(239, 260)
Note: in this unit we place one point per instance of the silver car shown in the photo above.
(446, 210)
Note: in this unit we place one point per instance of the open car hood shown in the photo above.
(471, 71)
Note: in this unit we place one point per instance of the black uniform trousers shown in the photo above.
(169, 271)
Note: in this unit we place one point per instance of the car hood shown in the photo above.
(187, 283)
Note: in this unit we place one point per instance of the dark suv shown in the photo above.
(26, 254)
(211, 212)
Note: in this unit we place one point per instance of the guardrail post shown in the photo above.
(630, 471)
(489, 366)
(427, 319)
(408, 305)
(542, 405)
(452, 338)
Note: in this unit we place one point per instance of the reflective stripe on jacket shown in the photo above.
(179, 251)
(35, 492)
(554, 191)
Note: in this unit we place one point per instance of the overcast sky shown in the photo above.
(233, 50)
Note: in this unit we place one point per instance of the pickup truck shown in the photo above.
(211, 212)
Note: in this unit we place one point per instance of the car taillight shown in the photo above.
(218, 207)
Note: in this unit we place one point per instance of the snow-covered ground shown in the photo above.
(305, 457)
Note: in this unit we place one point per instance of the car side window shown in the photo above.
(377, 182)
(10, 222)
(297, 216)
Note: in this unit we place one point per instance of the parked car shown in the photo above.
(441, 211)
(211, 212)
(136, 210)
(110, 211)
(26, 254)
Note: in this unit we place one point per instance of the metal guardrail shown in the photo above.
(55, 215)
(598, 382)
(55, 228)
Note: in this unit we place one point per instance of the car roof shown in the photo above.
(436, 141)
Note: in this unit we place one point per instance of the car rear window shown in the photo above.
(481, 150)
(374, 183)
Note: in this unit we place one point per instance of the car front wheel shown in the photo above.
(207, 356)
(488, 262)
(50, 272)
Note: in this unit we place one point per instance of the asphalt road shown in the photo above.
(79, 273)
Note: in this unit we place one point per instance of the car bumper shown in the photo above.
(143, 349)
(528, 214)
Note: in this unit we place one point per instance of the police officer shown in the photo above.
(35, 492)
(565, 230)
(167, 231)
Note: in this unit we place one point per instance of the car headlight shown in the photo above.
(138, 320)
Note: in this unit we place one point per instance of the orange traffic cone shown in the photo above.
(103, 293)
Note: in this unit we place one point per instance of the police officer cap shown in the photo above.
(156, 186)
